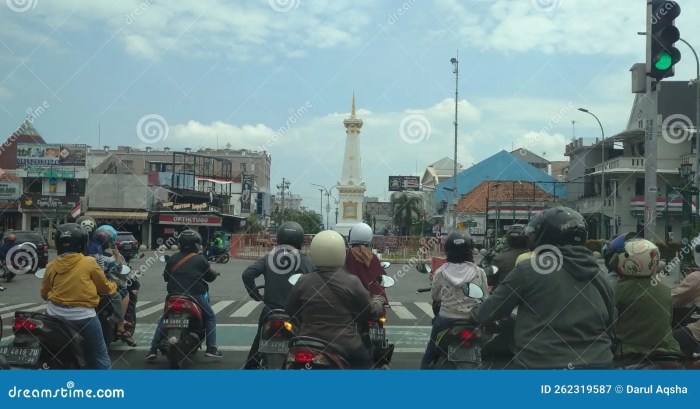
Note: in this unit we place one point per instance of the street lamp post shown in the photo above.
(455, 64)
(602, 173)
(328, 204)
(696, 84)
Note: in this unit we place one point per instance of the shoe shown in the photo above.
(152, 354)
(213, 352)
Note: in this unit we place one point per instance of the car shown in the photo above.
(127, 244)
(35, 237)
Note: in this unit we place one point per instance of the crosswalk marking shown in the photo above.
(401, 311)
(141, 304)
(426, 307)
(12, 314)
(14, 307)
(149, 311)
(245, 310)
(219, 306)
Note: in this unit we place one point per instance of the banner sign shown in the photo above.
(49, 173)
(46, 155)
(9, 190)
(190, 220)
(401, 183)
(37, 201)
(246, 192)
(181, 206)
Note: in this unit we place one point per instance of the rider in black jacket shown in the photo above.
(276, 267)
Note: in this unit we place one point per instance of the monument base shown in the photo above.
(344, 229)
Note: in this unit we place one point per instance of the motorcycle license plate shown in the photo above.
(463, 354)
(176, 322)
(268, 346)
(377, 334)
(126, 246)
(20, 356)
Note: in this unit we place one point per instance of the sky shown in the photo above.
(279, 75)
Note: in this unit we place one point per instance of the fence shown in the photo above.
(388, 248)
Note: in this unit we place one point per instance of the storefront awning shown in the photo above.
(100, 214)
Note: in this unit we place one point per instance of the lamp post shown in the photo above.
(686, 172)
(455, 64)
(321, 211)
(696, 84)
(602, 173)
(328, 204)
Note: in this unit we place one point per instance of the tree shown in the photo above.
(310, 221)
(253, 225)
(406, 210)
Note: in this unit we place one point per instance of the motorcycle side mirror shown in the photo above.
(387, 282)
(40, 273)
(424, 268)
(491, 270)
(142, 255)
(163, 259)
(473, 291)
(293, 279)
(125, 270)
(385, 264)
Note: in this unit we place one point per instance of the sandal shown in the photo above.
(126, 337)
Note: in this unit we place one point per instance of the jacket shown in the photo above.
(506, 262)
(76, 280)
(5, 248)
(328, 303)
(277, 286)
(447, 286)
(562, 318)
(367, 275)
(688, 292)
(644, 318)
(191, 277)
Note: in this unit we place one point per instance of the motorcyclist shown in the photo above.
(688, 292)
(216, 246)
(565, 306)
(191, 279)
(644, 305)
(329, 301)
(276, 267)
(447, 285)
(362, 262)
(72, 285)
(517, 245)
(5, 249)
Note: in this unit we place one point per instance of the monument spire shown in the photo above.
(351, 187)
(352, 111)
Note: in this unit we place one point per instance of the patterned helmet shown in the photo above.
(640, 259)
(88, 223)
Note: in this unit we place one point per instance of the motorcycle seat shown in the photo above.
(459, 322)
(277, 314)
(317, 345)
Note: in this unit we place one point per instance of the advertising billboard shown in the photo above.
(47, 155)
(401, 183)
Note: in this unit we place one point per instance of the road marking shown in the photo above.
(149, 311)
(15, 306)
(245, 310)
(141, 304)
(12, 314)
(426, 307)
(219, 306)
(401, 311)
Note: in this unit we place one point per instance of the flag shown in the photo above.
(76, 211)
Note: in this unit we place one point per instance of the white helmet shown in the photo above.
(327, 249)
(640, 259)
(696, 250)
(360, 233)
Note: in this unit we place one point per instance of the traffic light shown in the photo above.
(661, 35)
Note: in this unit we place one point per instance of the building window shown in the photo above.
(639, 187)
(34, 186)
(128, 163)
(243, 168)
(75, 187)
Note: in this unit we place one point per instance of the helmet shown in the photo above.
(189, 240)
(640, 259)
(103, 238)
(328, 249)
(88, 223)
(291, 234)
(110, 230)
(71, 238)
(459, 247)
(558, 226)
(515, 236)
(360, 233)
(616, 247)
(11, 237)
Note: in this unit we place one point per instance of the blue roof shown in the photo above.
(504, 166)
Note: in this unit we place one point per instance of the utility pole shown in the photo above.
(284, 186)
(455, 63)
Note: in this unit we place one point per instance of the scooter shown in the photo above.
(221, 258)
(3, 361)
(374, 334)
(276, 332)
(133, 287)
(315, 353)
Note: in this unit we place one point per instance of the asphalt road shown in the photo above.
(408, 318)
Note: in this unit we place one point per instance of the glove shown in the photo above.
(256, 296)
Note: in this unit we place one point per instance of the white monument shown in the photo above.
(351, 188)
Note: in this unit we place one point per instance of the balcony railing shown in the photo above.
(624, 164)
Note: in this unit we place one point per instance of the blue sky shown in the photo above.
(239, 68)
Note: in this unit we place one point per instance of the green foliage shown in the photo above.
(407, 210)
(253, 225)
(310, 221)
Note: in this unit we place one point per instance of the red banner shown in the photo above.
(190, 220)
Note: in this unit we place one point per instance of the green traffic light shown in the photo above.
(663, 61)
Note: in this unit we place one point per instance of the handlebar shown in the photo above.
(423, 290)
(2, 288)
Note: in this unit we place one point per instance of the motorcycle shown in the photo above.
(315, 353)
(278, 329)
(106, 312)
(7, 273)
(133, 286)
(221, 258)
(374, 335)
(3, 361)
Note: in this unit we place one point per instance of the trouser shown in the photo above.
(689, 345)
(431, 350)
(253, 360)
(208, 317)
(96, 354)
(359, 359)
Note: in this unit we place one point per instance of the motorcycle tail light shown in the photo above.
(382, 320)
(26, 324)
(466, 335)
(304, 357)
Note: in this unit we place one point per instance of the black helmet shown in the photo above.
(291, 234)
(558, 226)
(459, 247)
(189, 241)
(515, 236)
(71, 238)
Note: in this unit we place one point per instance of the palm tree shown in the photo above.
(406, 209)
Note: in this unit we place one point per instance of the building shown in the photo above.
(351, 187)
(438, 171)
(291, 202)
(559, 169)
(532, 159)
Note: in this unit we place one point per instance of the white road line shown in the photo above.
(141, 304)
(401, 311)
(149, 311)
(426, 307)
(12, 314)
(219, 306)
(245, 310)
(15, 306)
